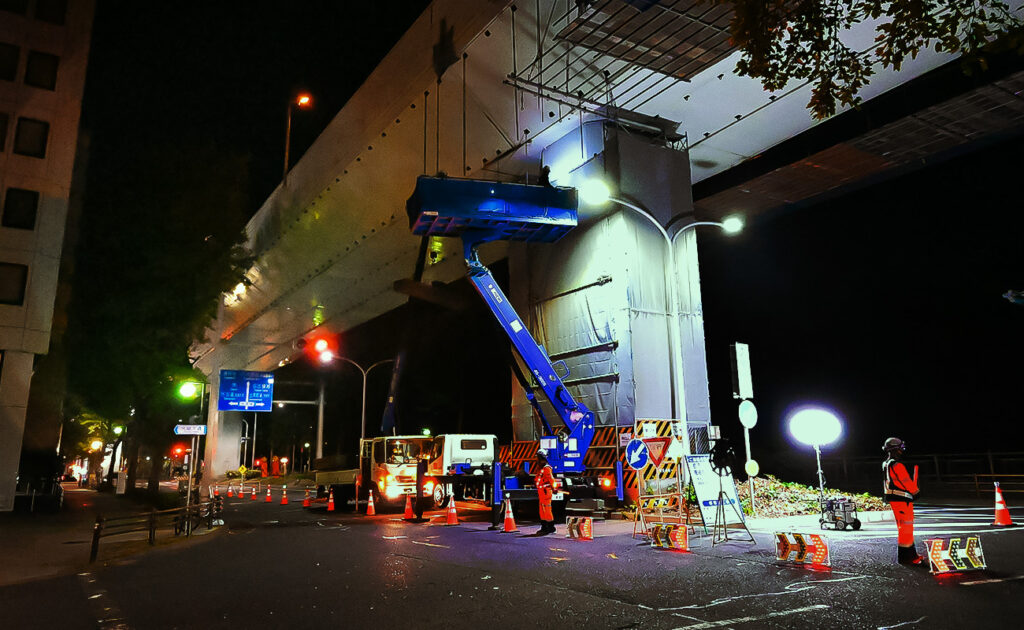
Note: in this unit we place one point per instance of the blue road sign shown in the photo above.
(241, 390)
(636, 454)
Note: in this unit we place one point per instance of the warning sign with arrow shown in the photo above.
(656, 448)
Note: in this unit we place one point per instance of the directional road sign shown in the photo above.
(636, 454)
(241, 390)
(190, 429)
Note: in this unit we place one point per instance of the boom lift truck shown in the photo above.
(479, 212)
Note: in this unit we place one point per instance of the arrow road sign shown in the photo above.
(636, 454)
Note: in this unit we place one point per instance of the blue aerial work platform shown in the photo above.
(479, 212)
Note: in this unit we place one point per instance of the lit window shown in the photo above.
(20, 209)
(52, 11)
(12, 283)
(30, 137)
(41, 70)
(8, 61)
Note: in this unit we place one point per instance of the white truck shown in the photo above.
(387, 465)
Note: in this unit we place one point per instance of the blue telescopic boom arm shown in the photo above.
(479, 212)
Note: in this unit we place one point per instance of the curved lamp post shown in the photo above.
(365, 373)
(596, 192)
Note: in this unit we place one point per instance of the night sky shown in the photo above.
(884, 304)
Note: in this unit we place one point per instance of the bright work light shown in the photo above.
(815, 427)
(594, 192)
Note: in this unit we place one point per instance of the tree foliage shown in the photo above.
(161, 241)
(801, 40)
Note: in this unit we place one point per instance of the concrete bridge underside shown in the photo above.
(644, 98)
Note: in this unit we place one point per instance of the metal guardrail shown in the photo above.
(1007, 483)
(183, 520)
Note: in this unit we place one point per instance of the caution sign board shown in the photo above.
(706, 485)
(669, 536)
(955, 553)
(797, 548)
(580, 527)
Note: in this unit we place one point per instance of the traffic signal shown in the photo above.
(321, 348)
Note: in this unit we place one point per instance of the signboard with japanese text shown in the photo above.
(706, 485)
(190, 429)
(242, 390)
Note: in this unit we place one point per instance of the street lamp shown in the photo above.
(302, 101)
(817, 427)
(595, 192)
(365, 373)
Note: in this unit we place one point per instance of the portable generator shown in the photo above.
(838, 513)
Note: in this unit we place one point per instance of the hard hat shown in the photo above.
(894, 444)
(542, 453)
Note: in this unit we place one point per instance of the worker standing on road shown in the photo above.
(545, 482)
(900, 489)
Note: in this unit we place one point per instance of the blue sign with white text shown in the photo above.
(241, 390)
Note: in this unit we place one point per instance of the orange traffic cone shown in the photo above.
(231, 489)
(370, 510)
(453, 515)
(306, 502)
(408, 508)
(268, 499)
(284, 494)
(252, 497)
(330, 500)
(1002, 513)
(510, 521)
(216, 490)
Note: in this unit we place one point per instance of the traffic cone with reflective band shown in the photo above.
(231, 490)
(1002, 512)
(216, 490)
(330, 500)
(408, 508)
(370, 510)
(252, 497)
(306, 502)
(284, 494)
(268, 499)
(510, 521)
(453, 515)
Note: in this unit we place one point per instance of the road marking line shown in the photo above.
(393, 537)
(738, 620)
(902, 623)
(795, 587)
(426, 544)
(992, 581)
(558, 559)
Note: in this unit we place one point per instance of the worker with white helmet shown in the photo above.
(545, 482)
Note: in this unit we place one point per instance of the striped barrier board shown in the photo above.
(797, 548)
(580, 527)
(670, 536)
(954, 554)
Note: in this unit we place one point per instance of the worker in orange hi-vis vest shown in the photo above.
(545, 482)
(900, 489)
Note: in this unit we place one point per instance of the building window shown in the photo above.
(20, 209)
(8, 61)
(41, 70)
(30, 137)
(3, 131)
(14, 6)
(52, 11)
(12, 283)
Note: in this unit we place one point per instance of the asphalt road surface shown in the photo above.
(276, 566)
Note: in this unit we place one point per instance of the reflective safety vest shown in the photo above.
(890, 488)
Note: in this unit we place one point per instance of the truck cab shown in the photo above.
(388, 465)
(459, 454)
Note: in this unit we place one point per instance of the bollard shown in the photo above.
(152, 527)
(97, 531)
